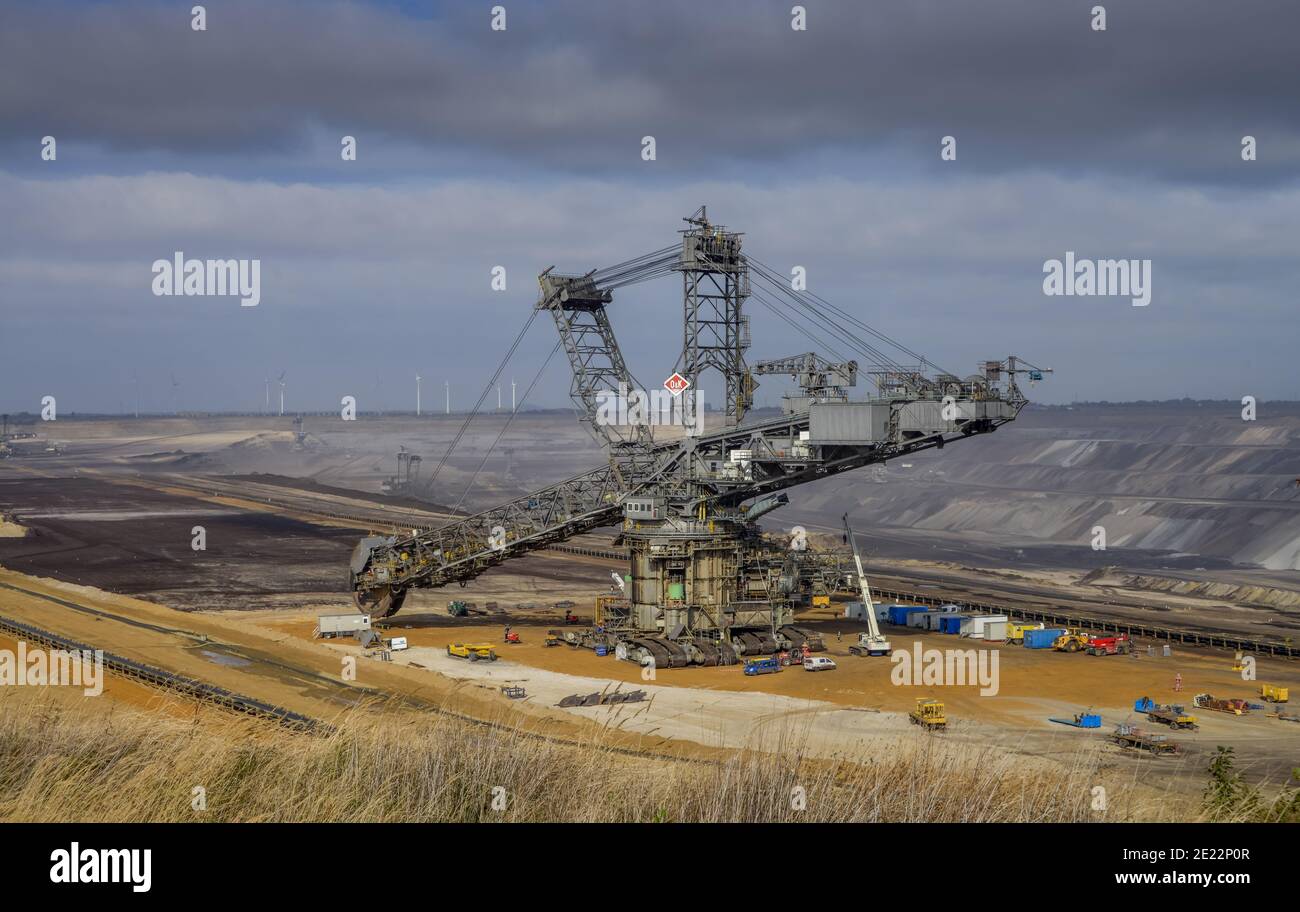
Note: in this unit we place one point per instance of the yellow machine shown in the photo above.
(929, 715)
(1271, 694)
(1173, 716)
(1239, 662)
(472, 651)
(821, 601)
(1070, 642)
(1016, 632)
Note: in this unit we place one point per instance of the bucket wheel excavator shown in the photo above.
(706, 586)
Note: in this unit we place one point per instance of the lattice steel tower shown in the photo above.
(715, 279)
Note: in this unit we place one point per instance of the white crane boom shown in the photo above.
(873, 642)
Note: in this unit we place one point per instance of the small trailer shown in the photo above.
(1132, 737)
(1173, 716)
(1233, 707)
(1080, 720)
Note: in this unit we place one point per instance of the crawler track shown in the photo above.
(1052, 618)
(166, 680)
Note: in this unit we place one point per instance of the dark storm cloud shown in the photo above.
(1167, 90)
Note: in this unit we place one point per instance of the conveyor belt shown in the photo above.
(157, 677)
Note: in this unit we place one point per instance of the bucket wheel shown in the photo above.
(382, 602)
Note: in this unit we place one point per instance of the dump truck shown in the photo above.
(1119, 644)
(1172, 715)
(929, 715)
(1232, 706)
(1070, 642)
(472, 651)
(1271, 694)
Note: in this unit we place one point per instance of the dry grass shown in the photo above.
(63, 761)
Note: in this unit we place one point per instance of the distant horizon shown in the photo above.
(24, 417)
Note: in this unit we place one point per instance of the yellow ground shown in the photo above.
(1034, 683)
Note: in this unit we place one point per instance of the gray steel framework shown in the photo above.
(702, 482)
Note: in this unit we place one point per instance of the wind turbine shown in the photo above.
(175, 387)
(418, 378)
(512, 394)
(447, 383)
(281, 382)
(267, 410)
(135, 380)
(498, 397)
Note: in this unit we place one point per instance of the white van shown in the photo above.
(818, 663)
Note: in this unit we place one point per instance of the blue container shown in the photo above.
(602, 651)
(1146, 704)
(1090, 720)
(898, 614)
(950, 624)
(1042, 639)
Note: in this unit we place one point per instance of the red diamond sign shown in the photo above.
(676, 384)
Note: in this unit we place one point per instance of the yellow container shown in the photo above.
(1273, 694)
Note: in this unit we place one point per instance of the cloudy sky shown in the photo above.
(522, 148)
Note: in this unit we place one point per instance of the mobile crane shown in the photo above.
(873, 642)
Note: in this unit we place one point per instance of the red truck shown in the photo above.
(1109, 645)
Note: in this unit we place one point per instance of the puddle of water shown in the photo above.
(220, 659)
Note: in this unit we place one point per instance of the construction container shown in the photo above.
(898, 613)
(848, 422)
(975, 627)
(920, 619)
(1042, 639)
(951, 623)
(934, 619)
(995, 632)
(336, 625)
